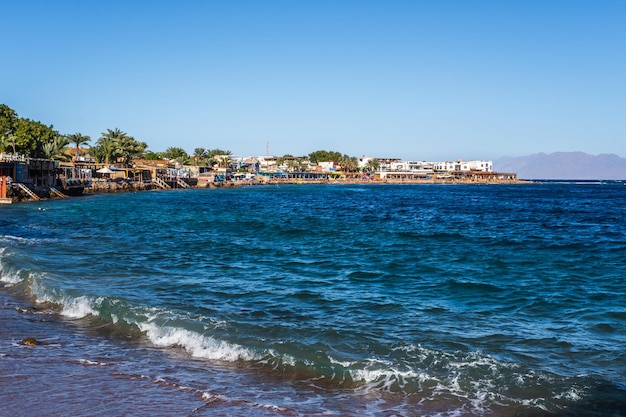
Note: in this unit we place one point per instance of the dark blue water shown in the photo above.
(346, 300)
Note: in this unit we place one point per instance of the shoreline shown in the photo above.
(116, 187)
(104, 187)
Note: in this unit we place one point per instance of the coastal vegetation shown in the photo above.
(28, 137)
(35, 139)
(69, 163)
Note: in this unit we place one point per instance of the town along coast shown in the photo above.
(307, 300)
(125, 185)
(34, 179)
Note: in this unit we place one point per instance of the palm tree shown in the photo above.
(109, 142)
(107, 147)
(199, 156)
(78, 139)
(372, 165)
(224, 160)
(176, 154)
(349, 163)
(97, 153)
(296, 164)
(56, 149)
(7, 140)
(153, 156)
(128, 149)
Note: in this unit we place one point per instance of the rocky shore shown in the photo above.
(106, 186)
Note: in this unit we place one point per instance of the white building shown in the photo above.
(328, 166)
(363, 161)
(463, 166)
(411, 166)
(267, 163)
(485, 166)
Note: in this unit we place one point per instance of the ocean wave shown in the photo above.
(20, 240)
(77, 308)
(10, 238)
(150, 321)
(8, 276)
(476, 381)
(11, 274)
(197, 345)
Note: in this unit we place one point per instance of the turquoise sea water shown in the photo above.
(440, 300)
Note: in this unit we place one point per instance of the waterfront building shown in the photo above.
(267, 163)
(13, 166)
(463, 166)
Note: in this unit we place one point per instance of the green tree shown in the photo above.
(153, 156)
(349, 163)
(30, 136)
(224, 160)
(56, 148)
(324, 156)
(294, 164)
(199, 157)
(176, 154)
(372, 165)
(78, 139)
(127, 148)
(218, 157)
(285, 158)
(297, 165)
(7, 142)
(8, 124)
(97, 153)
(212, 153)
(108, 143)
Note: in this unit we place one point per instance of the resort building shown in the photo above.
(463, 166)
(398, 170)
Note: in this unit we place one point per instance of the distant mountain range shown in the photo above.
(564, 166)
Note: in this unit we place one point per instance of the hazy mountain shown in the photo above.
(564, 165)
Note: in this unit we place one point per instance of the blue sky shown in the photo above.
(427, 80)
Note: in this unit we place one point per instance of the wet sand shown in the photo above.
(70, 373)
(77, 369)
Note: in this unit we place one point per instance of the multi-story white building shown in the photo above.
(410, 166)
(486, 166)
(463, 166)
(327, 166)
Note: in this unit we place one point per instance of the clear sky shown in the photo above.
(426, 80)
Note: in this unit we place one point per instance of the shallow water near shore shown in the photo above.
(350, 300)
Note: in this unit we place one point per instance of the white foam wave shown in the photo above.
(473, 378)
(344, 364)
(384, 376)
(6, 276)
(270, 358)
(195, 344)
(9, 278)
(72, 307)
(78, 308)
(10, 239)
(572, 394)
(211, 398)
(87, 362)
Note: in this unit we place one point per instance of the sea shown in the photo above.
(317, 300)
